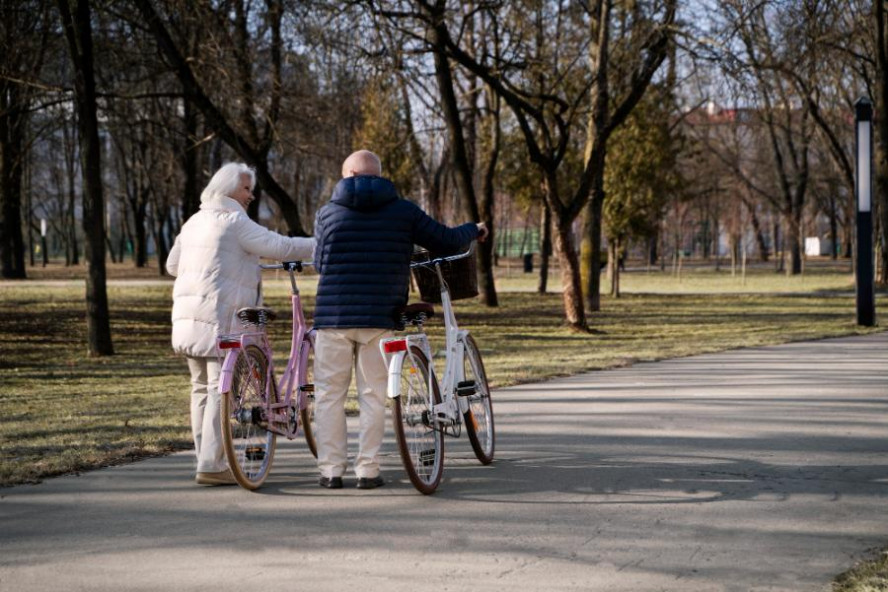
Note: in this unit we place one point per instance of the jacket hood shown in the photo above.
(217, 201)
(364, 192)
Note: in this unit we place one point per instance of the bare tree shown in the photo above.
(470, 113)
(245, 139)
(880, 90)
(77, 23)
(23, 42)
(544, 77)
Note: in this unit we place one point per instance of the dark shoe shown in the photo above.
(330, 482)
(370, 482)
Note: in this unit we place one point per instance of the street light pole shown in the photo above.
(866, 295)
(43, 241)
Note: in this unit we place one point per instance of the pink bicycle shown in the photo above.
(255, 407)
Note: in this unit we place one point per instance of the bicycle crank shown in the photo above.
(254, 416)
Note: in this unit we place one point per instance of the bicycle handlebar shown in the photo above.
(438, 260)
(287, 265)
(299, 265)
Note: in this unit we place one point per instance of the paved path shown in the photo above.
(759, 469)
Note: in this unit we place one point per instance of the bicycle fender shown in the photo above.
(227, 371)
(394, 374)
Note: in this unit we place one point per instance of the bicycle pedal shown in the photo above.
(466, 388)
(427, 457)
(255, 453)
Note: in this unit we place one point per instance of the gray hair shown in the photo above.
(226, 181)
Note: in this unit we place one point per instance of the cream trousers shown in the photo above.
(336, 352)
(206, 426)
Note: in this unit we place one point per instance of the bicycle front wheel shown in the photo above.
(420, 442)
(479, 416)
(307, 393)
(249, 447)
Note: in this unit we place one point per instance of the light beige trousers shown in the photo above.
(337, 351)
(206, 426)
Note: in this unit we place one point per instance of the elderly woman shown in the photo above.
(216, 264)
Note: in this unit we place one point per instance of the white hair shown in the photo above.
(226, 181)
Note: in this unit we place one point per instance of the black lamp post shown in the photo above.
(866, 295)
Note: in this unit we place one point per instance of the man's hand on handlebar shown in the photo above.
(482, 232)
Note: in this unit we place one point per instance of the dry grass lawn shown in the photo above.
(64, 412)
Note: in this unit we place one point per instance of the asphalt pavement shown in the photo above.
(751, 470)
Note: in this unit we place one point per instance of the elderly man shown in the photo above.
(365, 239)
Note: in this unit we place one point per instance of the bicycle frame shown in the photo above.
(452, 408)
(282, 416)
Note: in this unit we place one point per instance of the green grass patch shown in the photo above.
(64, 412)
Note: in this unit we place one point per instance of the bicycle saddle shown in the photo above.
(256, 315)
(417, 312)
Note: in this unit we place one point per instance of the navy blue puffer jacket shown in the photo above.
(365, 239)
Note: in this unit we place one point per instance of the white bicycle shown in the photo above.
(422, 415)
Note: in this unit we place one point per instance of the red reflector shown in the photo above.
(229, 344)
(395, 346)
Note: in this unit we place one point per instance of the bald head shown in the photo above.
(362, 162)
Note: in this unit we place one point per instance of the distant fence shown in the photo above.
(515, 242)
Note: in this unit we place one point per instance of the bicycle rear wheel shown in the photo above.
(249, 447)
(306, 391)
(479, 416)
(421, 445)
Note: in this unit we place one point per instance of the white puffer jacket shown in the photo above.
(216, 264)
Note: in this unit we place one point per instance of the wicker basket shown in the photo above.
(461, 277)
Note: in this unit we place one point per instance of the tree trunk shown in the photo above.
(759, 236)
(715, 238)
(778, 246)
(161, 243)
(436, 189)
(110, 247)
(29, 221)
(652, 253)
(72, 254)
(140, 253)
(591, 247)
(126, 236)
(464, 171)
(191, 196)
(462, 168)
(486, 263)
(795, 247)
(571, 285)
(880, 197)
(78, 31)
(833, 229)
(613, 266)
(545, 247)
(12, 140)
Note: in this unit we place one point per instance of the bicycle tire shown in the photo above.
(306, 390)
(479, 416)
(249, 447)
(421, 446)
